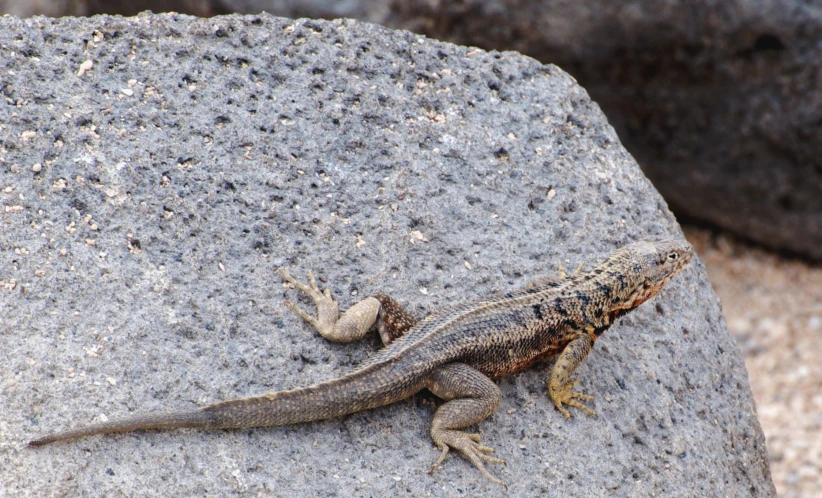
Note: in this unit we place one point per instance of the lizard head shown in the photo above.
(649, 266)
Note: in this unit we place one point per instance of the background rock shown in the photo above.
(58, 8)
(147, 201)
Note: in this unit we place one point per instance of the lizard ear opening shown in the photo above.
(673, 256)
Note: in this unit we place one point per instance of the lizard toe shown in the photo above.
(564, 395)
(328, 310)
(468, 445)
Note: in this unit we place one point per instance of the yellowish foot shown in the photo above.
(564, 395)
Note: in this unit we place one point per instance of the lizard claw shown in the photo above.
(311, 289)
(563, 274)
(564, 395)
(468, 445)
(327, 309)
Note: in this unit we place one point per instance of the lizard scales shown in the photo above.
(454, 352)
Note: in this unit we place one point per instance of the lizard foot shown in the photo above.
(468, 445)
(563, 394)
(327, 309)
(562, 273)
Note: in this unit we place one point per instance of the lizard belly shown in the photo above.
(518, 354)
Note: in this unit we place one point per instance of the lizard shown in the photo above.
(455, 353)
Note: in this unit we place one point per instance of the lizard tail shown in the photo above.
(174, 420)
(361, 390)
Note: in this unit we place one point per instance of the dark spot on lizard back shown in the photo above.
(621, 279)
(599, 330)
(537, 311)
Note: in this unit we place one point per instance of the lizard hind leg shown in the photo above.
(393, 321)
(379, 311)
(470, 398)
(353, 324)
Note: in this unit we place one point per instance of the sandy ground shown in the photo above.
(773, 306)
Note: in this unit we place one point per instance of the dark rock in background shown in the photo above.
(59, 8)
(154, 171)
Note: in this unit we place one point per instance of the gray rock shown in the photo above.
(718, 101)
(147, 202)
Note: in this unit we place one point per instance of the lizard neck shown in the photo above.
(592, 301)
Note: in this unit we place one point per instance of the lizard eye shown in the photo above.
(673, 256)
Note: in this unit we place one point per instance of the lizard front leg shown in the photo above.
(560, 383)
(471, 397)
(380, 311)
